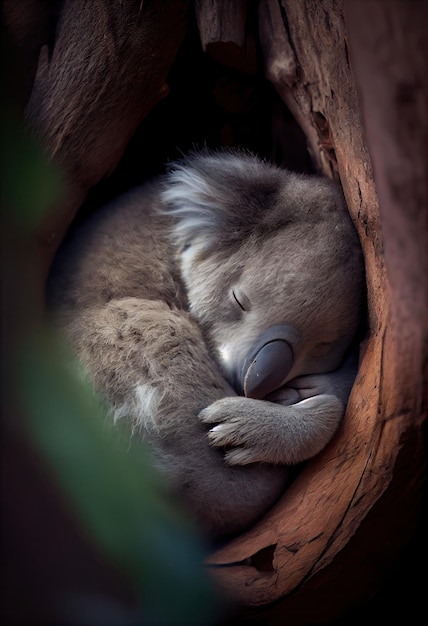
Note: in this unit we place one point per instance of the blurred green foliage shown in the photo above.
(105, 476)
(111, 484)
(30, 183)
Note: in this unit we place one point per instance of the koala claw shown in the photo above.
(224, 435)
(253, 431)
(233, 424)
(240, 456)
(212, 415)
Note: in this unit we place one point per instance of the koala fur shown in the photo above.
(214, 308)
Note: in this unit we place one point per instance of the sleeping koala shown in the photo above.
(213, 309)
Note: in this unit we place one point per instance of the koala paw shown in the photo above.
(257, 431)
(234, 429)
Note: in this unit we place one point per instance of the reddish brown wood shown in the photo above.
(223, 29)
(360, 95)
(321, 517)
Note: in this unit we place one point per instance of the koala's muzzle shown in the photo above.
(270, 362)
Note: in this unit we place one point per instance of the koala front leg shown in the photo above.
(151, 365)
(148, 361)
(295, 424)
(261, 431)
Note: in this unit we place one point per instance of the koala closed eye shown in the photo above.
(228, 278)
(241, 300)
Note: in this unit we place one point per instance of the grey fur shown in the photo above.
(151, 290)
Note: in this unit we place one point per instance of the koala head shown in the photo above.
(272, 266)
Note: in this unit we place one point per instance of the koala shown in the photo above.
(214, 309)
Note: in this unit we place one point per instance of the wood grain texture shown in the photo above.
(224, 34)
(360, 95)
(307, 58)
(223, 21)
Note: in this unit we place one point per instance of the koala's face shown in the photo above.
(276, 284)
(275, 309)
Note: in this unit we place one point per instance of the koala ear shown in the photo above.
(216, 198)
(195, 202)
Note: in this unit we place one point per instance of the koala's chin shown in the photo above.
(214, 310)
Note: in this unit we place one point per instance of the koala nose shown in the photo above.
(269, 364)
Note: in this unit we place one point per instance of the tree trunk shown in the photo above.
(353, 74)
(360, 499)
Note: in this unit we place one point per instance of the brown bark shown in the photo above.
(221, 21)
(103, 73)
(223, 32)
(329, 541)
(320, 526)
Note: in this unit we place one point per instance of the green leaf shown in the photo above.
(114, 490)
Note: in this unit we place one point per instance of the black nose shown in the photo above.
(269, 364)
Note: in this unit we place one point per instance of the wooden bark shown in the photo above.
(102, 69)
(316, 530)
(221, 21)
(223, 32)
(101, 75)
(359, 94)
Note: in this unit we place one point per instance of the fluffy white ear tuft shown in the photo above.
(194, 203)
(218, 197)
